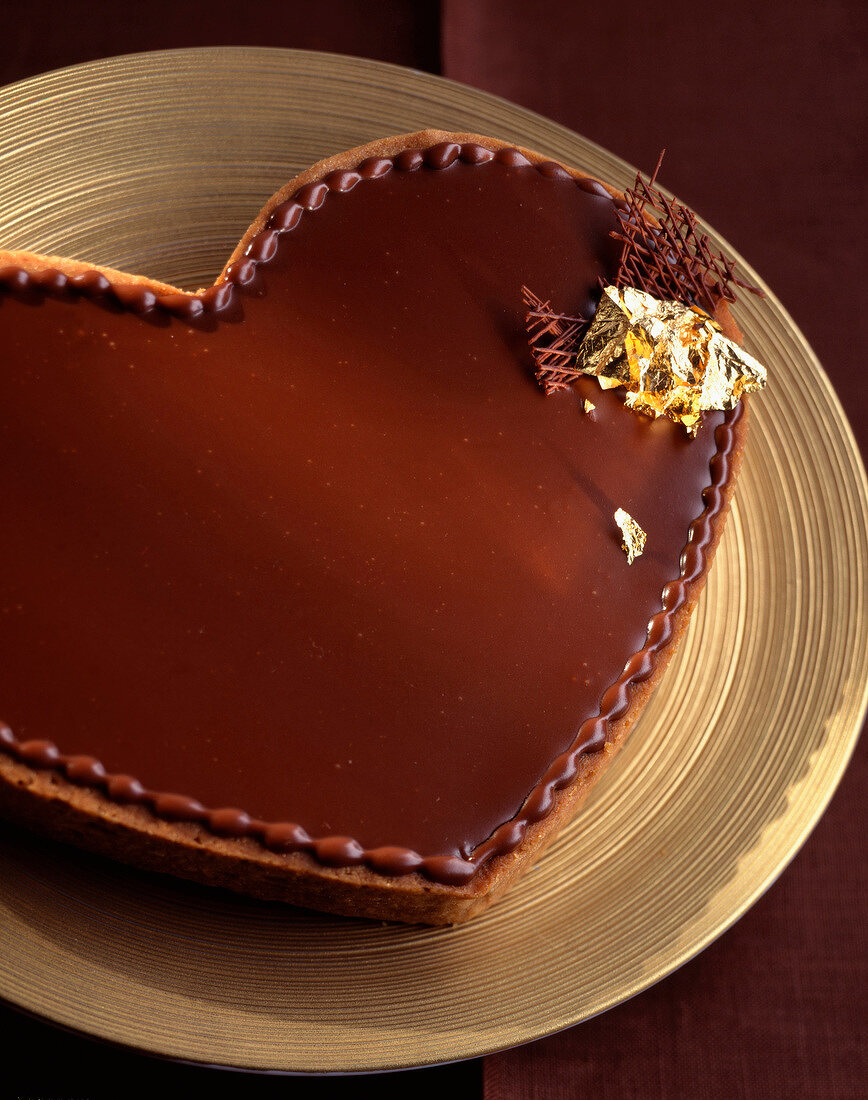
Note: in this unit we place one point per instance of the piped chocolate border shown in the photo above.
(137, 296)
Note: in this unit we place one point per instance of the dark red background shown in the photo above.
(761, 109)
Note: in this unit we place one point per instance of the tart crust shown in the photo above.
(43, 799)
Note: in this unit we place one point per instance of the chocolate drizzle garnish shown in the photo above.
(666, 255)
(554, 342)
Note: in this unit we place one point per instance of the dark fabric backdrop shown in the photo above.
(762, 110)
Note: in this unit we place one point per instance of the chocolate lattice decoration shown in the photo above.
(666, 255)
(554, 342)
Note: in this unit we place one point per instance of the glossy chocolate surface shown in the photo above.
(326, 554)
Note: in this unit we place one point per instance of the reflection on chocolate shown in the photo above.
(321, 549)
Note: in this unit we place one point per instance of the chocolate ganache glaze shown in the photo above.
(313, 544)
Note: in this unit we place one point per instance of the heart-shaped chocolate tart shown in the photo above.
(307, 588)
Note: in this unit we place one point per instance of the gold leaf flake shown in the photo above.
(672, 359)
(633, 536)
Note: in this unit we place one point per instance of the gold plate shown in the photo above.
(157, 163)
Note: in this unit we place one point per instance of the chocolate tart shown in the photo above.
(308, 590)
